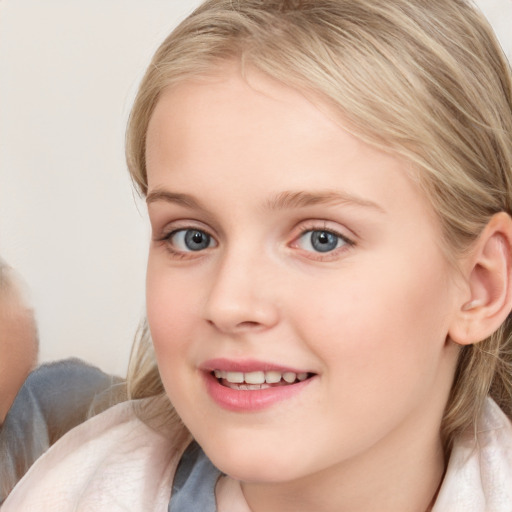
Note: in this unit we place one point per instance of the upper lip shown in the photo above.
(246, 365)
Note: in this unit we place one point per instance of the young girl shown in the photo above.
(329, 185)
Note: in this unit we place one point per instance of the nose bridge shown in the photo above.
(241, 295)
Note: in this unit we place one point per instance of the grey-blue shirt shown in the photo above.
(194, 483)
(54, 398)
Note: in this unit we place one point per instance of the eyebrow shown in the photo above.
(172, 197)
(282, 201)
(290, 199)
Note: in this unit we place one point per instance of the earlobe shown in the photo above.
(489, 281)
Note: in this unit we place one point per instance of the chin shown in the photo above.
(252, 468)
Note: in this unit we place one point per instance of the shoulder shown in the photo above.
(54, 398)
(112, 462)
(65, 377)
(479, 473)
(72, 382)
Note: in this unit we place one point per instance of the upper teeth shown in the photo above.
(260, 377)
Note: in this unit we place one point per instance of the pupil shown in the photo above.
(323, 241)
(196, 240)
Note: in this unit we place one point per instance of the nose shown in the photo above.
(242, 296)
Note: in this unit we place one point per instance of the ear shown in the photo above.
(487, 272)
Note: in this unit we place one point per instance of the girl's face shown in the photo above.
(297, 293)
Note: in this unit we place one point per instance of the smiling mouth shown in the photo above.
(257, 380)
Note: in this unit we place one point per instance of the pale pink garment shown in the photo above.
(114, 462)
(479, 473)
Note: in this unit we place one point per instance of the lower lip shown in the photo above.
(250, 401)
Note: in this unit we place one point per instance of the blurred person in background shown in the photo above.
(18, 338)
(38, 405)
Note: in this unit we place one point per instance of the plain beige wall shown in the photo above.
(68, 219)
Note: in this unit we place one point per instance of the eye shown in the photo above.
(186, 240)
(320, 241)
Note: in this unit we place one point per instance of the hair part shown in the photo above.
(424, 80)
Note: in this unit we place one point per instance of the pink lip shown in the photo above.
(243, 400)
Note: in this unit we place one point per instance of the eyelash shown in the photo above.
(329, 255)
(179, 254)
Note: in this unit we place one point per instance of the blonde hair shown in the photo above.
(424, 80)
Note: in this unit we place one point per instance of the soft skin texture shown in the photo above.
(370, 319)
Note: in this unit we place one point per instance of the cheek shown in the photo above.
(390, 324)
(170, 306)
(380, 345)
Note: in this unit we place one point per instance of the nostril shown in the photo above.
(241, 325)
(248, 325)
(238, 316)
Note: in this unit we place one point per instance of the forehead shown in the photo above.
(229, 96)
(253, 133)
(261, 108)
